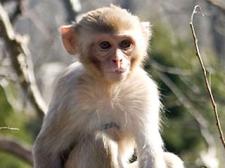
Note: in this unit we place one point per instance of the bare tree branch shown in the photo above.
(205, 76)
(12, 146)
(18, 8)
(21, 63)
(17, 11)
(73, 8)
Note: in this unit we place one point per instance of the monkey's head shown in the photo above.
(110, 42)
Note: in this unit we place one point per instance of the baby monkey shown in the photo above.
(104, 106)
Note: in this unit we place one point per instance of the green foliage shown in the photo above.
(13, 119)
(175, 60)
(9, 161)
(6, 109)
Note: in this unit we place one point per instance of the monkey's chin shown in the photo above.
(116, 76)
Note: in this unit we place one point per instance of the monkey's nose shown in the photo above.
(117, 62)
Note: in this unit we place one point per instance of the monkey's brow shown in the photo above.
(110, 125)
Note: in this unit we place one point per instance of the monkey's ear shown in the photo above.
(146, 27)
(68, 36)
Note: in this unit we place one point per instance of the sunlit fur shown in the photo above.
(74, 132)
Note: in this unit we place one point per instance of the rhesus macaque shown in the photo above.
(105, 106)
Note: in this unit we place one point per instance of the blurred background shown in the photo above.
(31, 56)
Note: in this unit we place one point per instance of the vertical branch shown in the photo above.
(17, 11)
(205, 76)
(72, 7)
(21, 62)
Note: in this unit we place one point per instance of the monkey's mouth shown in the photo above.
(116, 74)
(119, 71)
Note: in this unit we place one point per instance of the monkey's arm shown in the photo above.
(148, 138)
(55, 136)
(46, 150)
(53, 139)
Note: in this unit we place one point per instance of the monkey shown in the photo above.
(171, 160)
(105, 106)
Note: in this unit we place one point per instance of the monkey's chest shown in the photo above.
(114, 115)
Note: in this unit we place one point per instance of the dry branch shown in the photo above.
(13, 147)
(21, 63)
(205, 76)
(17, 11)
(72, 8)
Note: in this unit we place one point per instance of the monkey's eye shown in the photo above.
(105, 45)
(125, 44)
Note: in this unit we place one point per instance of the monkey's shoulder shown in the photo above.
(71, 79)
(141, 81)
(65, 85)
(71, 73)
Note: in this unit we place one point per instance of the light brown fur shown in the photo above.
(97, 118)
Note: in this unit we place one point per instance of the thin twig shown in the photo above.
(205, 76)
(9, 128)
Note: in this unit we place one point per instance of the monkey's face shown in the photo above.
(112, 55)
(110, 42)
